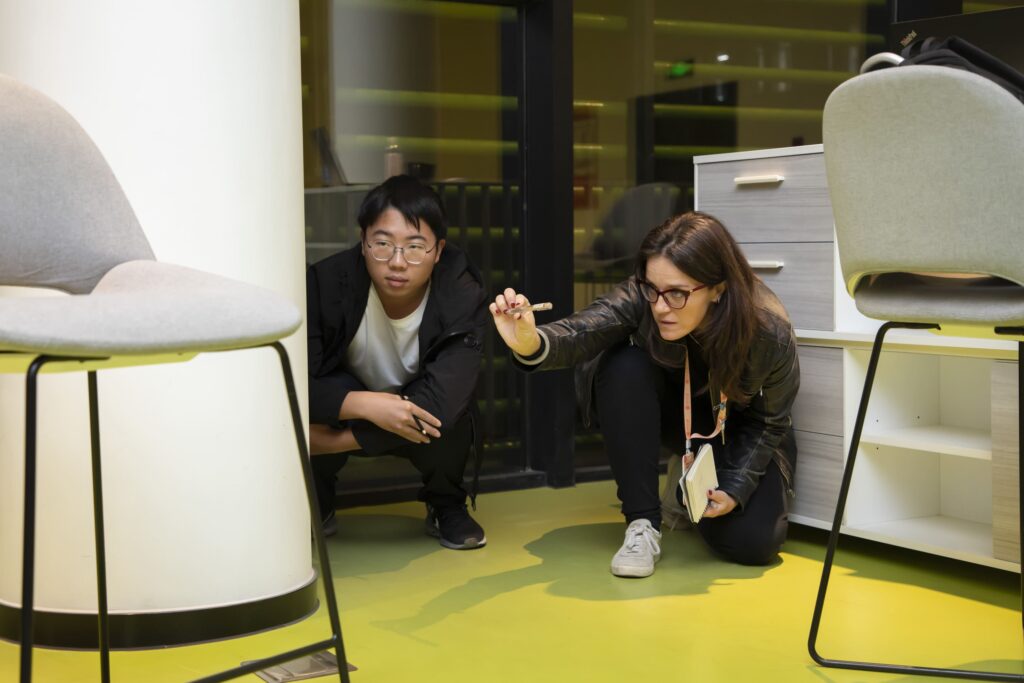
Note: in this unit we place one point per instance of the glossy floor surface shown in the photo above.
(539, 604)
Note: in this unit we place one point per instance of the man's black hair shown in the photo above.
(414, 200)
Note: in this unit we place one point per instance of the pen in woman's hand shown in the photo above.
(515, 308)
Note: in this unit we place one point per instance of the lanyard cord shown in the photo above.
(687, 419)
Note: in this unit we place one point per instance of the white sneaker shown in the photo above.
(639, 551)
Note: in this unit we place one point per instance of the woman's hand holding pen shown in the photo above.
(517, 328)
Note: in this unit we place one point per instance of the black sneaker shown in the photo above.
(454, 528)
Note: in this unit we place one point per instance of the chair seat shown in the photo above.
(906, 297)
(146, 307)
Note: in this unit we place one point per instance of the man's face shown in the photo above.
(396, 279)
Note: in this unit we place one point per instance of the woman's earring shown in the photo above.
(714, 301)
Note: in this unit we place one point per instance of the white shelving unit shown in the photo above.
(924, 476)
(934, 473)
(938, 463)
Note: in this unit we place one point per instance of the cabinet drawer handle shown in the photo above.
(758, 179)
(766, 265)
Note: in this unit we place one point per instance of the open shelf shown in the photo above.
(952, 537)
(944, 439)
(924, 471)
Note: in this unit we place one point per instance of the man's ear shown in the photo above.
(440, 248)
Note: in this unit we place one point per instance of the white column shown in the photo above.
(196, 105)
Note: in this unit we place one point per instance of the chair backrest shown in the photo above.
(925, 170)
(64, 219)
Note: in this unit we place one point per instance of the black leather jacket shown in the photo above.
(759, 426)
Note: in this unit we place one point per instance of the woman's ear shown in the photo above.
(717, 291)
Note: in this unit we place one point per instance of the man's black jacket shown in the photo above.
(450, 339)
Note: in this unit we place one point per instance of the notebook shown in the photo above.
(697, 481)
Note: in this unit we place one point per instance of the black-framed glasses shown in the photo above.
(414, 254)
(675, 298)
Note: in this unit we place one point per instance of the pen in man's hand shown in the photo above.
(423, 430)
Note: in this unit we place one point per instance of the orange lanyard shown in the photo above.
(687, 420)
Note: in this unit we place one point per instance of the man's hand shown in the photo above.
(392, 412)
(720, 503)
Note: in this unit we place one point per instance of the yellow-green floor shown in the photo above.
(539, 604)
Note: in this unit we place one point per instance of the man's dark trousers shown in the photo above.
(442, 463)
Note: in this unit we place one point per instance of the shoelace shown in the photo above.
(639, 534)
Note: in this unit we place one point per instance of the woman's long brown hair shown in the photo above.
(700, 246)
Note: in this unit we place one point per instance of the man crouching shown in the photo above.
(395, 330)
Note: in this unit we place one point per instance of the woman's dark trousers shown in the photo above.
(639, 406)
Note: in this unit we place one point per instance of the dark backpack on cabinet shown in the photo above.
(959, 54)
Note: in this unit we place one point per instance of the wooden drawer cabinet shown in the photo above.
(775, 203)
(800, 274)
(819, 403)
(819, 471)
(938, 465)
(755, 207)
(1005, 464)
(818, 423)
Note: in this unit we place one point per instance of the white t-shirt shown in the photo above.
(385, 354)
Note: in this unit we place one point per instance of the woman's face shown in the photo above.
(676, 323)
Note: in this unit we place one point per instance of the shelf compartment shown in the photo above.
(925, 402)
(895, 488)
(938, 438)
(941, 535)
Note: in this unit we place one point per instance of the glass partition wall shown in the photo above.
(443, 90)
(430, 89)
(657, 82)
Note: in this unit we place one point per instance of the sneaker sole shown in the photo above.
(632, 572)
(472, 545)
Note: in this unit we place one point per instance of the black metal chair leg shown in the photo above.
(844, 489)
(28, 545)
(335, 641)
(314, 512)
(833, 541)
(103, 624)
(28, 551)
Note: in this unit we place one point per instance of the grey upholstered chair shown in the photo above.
(66, 224)
(925, 170)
